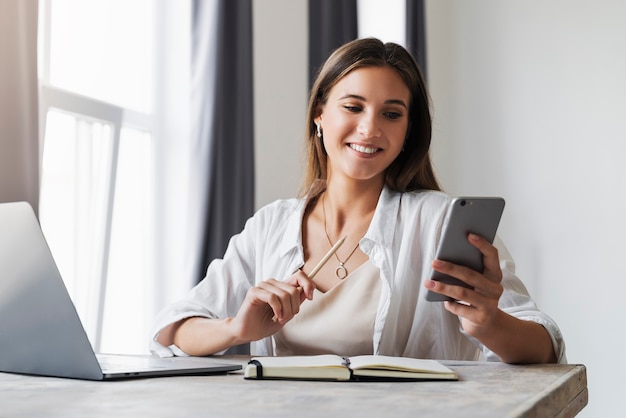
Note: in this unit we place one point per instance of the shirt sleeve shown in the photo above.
(516, 301)
(218, 295)
(262, 250)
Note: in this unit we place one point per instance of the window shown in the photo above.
(382, 19)
(99, 86)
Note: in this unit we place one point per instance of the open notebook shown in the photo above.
(333, 367)
(40, 331)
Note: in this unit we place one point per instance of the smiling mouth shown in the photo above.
(365, 150)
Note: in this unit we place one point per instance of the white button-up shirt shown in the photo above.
(401, 241)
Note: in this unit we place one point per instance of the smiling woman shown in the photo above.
(370, 180)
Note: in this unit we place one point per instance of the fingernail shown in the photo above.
(429, 284)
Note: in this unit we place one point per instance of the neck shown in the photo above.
(349, 210)
(352, 198)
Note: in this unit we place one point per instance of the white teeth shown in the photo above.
(361, 148)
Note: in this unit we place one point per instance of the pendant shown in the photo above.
(341, 271)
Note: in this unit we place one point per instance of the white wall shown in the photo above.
(529, 102)
(529, 99)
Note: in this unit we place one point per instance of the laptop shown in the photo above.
(40, 330)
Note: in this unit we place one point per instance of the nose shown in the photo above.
(368, 127)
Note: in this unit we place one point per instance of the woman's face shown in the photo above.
(364, 123)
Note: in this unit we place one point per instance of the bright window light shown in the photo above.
(96, 201)
(103, 49)
(130, 265)
(384, 20)
(74, 193)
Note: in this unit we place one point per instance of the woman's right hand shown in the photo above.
(270, 305)
(271, 299)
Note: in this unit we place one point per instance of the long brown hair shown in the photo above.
(412, 169)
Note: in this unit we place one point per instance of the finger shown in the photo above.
(259, 295)
(491, 258)
(459, 309)
(467, 275)
(477, 315)
(477, 282)
(292, 297)
(466, 311)
(300, 279)
(279, 296)
(289, 295)
(462, 273)
(456, 292)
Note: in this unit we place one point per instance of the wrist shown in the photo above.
(494, 329)
(232, 334)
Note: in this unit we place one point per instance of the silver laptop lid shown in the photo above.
(40, 331)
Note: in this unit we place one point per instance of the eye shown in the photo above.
(393, 115)
(353, 109)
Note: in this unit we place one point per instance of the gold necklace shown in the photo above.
(340, 271)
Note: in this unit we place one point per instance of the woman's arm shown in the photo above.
(266, 308)
(514, 340)
(198, 336)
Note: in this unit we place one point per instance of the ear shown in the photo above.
(318, 115)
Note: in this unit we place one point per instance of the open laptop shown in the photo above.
(40, 331)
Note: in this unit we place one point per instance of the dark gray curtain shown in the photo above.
(331, 24)
(222, 125)
(416, 32)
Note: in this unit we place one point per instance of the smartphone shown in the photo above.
(478, 215)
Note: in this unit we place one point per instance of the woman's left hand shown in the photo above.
(477, 307)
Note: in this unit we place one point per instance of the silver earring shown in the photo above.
(319, 130)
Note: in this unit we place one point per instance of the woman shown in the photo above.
(369, 178)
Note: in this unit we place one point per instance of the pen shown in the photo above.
(319, 265)
(326, 257)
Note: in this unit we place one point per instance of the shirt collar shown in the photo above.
(292, 239)
(293, 231)
(383, 225)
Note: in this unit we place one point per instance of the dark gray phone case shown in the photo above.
(478, 215)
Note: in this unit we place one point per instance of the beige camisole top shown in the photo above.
(340, 321)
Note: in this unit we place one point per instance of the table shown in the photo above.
(484, 390)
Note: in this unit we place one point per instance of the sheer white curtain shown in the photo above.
(177, 179)
(19, 133)
(115, 190)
